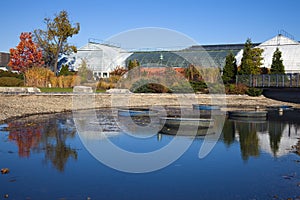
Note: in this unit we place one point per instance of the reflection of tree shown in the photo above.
(26, 135)
(47, 134)
(56, 134)
(248, 139)
(275, 132)
(59, 154)
(228, 132)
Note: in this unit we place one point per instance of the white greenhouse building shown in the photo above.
(290, 53)
(101, 58)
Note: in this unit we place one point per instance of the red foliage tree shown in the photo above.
(26, 55)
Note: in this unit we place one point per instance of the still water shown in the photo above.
(251, 160)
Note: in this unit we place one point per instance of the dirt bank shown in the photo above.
(12, 106)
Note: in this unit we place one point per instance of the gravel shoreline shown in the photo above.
(20, 105)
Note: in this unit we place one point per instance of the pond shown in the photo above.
(251, 160)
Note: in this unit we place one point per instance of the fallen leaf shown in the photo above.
(4, 171)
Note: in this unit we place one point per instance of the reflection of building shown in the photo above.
(286, 139)
(101, 58)
(271, 137)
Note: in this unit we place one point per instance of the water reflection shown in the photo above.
(50, 135)
(46, 135)
(228, 132)
(248, 138)
(27, 136)
(52, 139)
(275, 136)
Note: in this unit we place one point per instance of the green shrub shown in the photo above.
(198, 86)
(11, 74)
(182, 87)
(216, 88)
(158, 88)
(11, 82)
(254, 92)
(146, 86)
(151, 88)
(236, 89)
(105, 84)
(64, 71)
(140, 86)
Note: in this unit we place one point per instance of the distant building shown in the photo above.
(104, 58)
(100, 58)
(203, 53)
(4, 60)
(219, 52)
(290, 53)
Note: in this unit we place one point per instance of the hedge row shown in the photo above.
(11, 82)
(42, 77)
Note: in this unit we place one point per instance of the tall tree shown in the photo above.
(230, 69)
(26, 55)
(252, 59)
(256, 55)
(245, 65)
(54, 40)
(277, 66)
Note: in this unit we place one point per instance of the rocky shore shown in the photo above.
(19, 105)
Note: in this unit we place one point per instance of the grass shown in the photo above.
(61, 90)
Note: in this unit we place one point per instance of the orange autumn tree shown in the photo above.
(26, 55)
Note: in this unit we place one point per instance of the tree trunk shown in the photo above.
(56, 57)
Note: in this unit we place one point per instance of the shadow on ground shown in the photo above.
(291, 95)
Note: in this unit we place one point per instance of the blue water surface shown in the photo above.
(47, 160)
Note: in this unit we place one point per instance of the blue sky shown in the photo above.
(206, 21)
